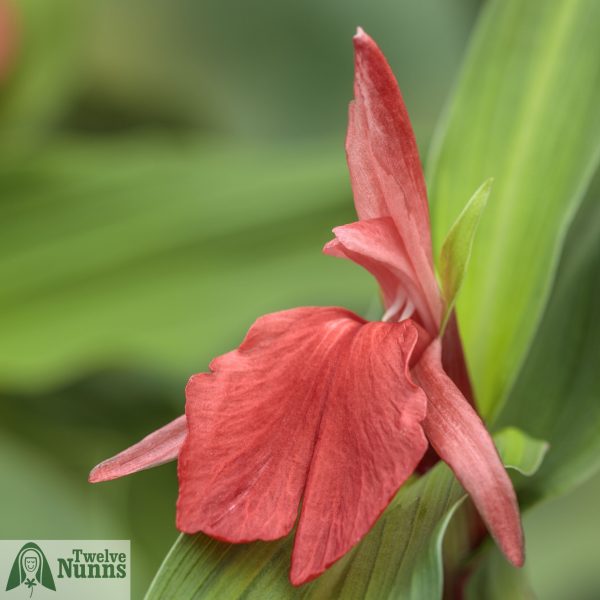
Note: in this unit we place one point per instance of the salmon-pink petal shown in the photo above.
(460, 438)
(376, 245)
(155, 449)
(314, 402)
(385, 170)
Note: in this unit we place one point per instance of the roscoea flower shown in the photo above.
(321, 413)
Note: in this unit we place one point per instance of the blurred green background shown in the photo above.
(169, 171)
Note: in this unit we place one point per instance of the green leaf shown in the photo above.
(558, 392)
(519, 451)
(456, 250)
(525, 111)
(556, 395)
(399, 558)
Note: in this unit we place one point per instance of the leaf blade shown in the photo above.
(559, 383)
(525, 110)
(458, 245)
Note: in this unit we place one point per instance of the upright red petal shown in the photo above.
(161, 446)
(376, 245)
(460, 438)
(386, 173)
(314, 402)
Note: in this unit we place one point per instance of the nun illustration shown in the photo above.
(30, 569)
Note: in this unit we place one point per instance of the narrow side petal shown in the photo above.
(460, 438)
(314, 401)
(376, 245)
(161, 446)
(385, 169)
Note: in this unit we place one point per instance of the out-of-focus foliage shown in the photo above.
(41, 77)
(563, 559)
(48, 442)
(266, 69)
(497, 580)
(146, 253)
(551, 557)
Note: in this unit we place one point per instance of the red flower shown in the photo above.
(318, 407)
